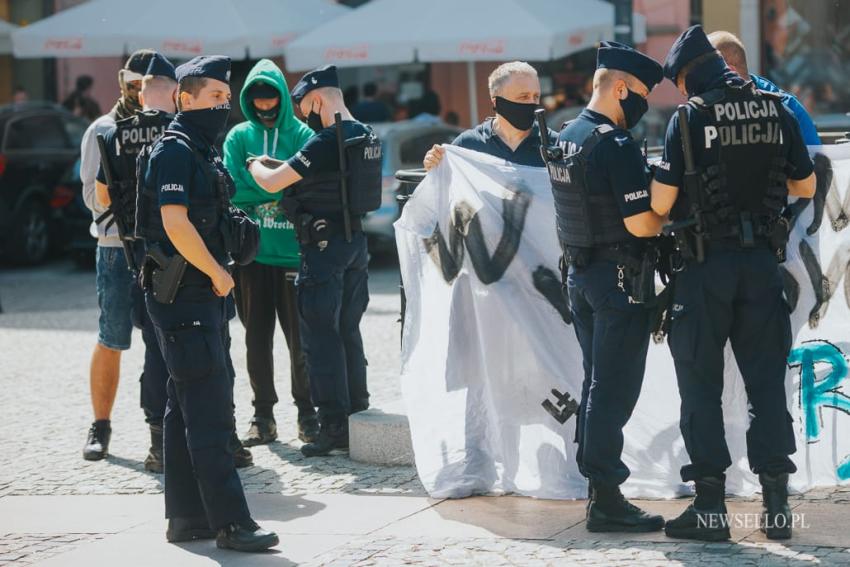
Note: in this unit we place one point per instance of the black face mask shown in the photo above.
(634, 107)
(208, 122)
(519, 115)
(314, 120)
(269, 115)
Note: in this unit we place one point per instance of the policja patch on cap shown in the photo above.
(215, 67)
(318, 78)
(613, 55)
(160, 66)
(687, 47)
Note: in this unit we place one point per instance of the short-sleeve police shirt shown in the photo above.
(616, 165)
(671, 169)
(484, 139)
(321, 153)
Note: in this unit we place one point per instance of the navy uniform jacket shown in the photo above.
(616, 165)
(483, 139)
(174, 172)
(149, 136)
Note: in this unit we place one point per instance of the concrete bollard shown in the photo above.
(381, 437)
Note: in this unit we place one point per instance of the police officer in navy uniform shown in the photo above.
(124, 142)
(332, 280)
(180, 208)
(601, 190)
(748, 151)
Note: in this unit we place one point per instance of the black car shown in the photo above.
(40, 188)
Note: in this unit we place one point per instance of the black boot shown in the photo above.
(263, 430)
(188, 529)
(609, 511)
(776, 518)
(706, 519)
(97, 443)
(242, 457)
(246, 536)
(332, 435)
(153, 462)
(308, 427)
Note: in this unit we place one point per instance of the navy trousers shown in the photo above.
(200, 476)
(734, 295)
(614, 337)
(333, 293)
(154, 376)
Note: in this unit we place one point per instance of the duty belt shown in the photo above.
(623, 254)
(319, 230)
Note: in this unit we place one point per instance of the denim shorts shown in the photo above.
(114, 285)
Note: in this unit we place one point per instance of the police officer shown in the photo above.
(748, 151)
(332, 280)
(124, 142)
(181, 204)
(601, 190)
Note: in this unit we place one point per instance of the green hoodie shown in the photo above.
(251, 138)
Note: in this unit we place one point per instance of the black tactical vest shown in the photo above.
(206, 209)
(740, 154)
(132, 135)
(321, 194)
(585, 219)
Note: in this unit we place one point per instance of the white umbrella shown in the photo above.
(176, 28)
(6, 30)
(385, 32)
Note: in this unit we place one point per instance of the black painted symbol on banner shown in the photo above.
(466, 232)
(825, 284)
(548, 283)
(563, 409)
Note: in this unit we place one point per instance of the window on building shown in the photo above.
(806, 50)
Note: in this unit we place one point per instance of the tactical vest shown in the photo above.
(321, 194)
(205, 210)
(741, 161)
(585, 219)
(132, 135)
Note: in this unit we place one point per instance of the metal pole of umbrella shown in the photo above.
(408, 179)
(473, 93)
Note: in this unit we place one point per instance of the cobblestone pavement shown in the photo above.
(532, 553)
(25, 549)
(47, 333)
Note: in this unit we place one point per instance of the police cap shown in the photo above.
(687, 47)
(318, 78)
(215, 67)
(137, 64)
(613, 55)
(160, 66)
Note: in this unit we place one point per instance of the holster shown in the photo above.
(778, 236)
(162, 275)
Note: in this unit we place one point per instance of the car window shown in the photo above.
(413, 149)
(75, 129)
(40, 132)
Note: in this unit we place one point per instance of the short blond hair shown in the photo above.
(732, 49)
(503, 73)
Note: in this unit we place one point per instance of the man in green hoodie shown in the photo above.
(267, 286)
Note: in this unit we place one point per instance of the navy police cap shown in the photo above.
(613, 55)
(206, 67)
(160, 66)
(316, 79)
(138, 62)
(687, 47)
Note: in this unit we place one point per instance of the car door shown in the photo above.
(38, 150)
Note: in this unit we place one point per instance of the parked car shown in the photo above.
(404, 145)
(39, 180)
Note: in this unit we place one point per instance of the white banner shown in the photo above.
(491, 373)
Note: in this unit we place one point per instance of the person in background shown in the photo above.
(427, 108)
(370, 110)
(20, 95)
(266, 286)
(732, 50)
(80, 102)
(113, 280)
